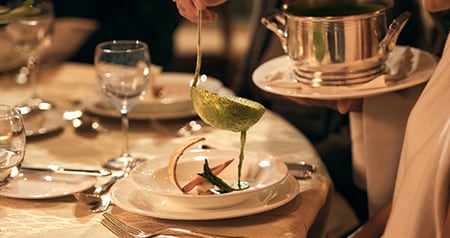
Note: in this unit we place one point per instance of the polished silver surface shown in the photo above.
(101, 193)
(301, 170)
(336, 50)
(99, 199)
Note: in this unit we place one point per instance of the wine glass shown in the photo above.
(12, 143)
(123, 75)
(29, 28)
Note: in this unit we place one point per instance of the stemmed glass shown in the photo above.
(29, 28)
(123, 75)
(12, 143)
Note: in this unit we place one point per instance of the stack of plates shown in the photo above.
(274, 76)
(149, 191)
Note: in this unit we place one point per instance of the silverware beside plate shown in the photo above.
(99, 199)
(61, 170)
(301, 170)
(122, 229)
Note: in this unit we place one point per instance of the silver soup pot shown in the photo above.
(336, 50)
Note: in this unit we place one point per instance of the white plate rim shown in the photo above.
(416, 77)
(214, 86)
(90, 102)
(85, 182)
(126, 195)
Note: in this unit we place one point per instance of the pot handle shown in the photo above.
(390, 40)
(276, 22)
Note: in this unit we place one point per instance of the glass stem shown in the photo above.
(27, 75)
(32, 76)
(125, 151)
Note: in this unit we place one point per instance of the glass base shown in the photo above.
(120, 162)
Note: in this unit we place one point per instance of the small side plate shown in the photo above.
(45, 185)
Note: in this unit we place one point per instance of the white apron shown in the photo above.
(377, 136)
(421, 196)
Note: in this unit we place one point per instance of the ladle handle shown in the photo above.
(199, 50)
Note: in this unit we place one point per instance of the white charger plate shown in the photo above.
(129, 196)
(175, 102)
(423, 67)
(45, 185)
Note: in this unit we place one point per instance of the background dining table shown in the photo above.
(65, 83)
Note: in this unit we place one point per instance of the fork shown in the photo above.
(121, 229)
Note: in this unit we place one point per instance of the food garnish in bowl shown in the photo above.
(204, 182)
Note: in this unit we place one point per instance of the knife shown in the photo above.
(61, 170)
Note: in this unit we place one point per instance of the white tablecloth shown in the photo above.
(64, 217)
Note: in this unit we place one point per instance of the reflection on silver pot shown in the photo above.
(334, 44)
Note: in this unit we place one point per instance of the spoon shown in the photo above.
(103, 205)
(99, 199)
